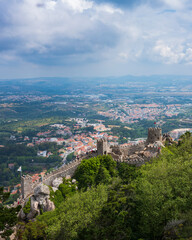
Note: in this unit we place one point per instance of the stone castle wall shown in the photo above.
(132, 149)
(62, 172)
(154, 134)
(102, 147)
(118, 153)
(27, 186)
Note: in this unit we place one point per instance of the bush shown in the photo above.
(94, 171)
(27, 207)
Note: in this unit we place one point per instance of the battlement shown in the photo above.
(154, 134)
(138, 145)
(102, 146)
(102, 139)
(119, 153)
(27, 186)
(26, 177)
(63, 171)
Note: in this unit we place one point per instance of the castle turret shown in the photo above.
(102, 147)
(154, 134)
(26, 186)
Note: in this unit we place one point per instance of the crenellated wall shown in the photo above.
(129, 150)
(118, 153)
(64, 171)
(154, 134)
(27, 186)
(102, 147)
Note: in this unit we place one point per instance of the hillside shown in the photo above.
(118, 201)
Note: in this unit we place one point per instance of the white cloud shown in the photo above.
(169, 54)
(189, 55)
(50, 5)
(62, 19)
(78, 5)
(123, 55)
(176, 4)
(80, 30)
(108, 9)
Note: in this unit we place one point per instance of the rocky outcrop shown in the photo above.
(167, 139)
(41, 189)
(57, 182)
(39, 201)
(48, 205)
(54, 189)
(34, 211)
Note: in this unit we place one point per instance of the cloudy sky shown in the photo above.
(95, 38)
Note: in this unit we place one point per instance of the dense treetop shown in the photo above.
(118, 201)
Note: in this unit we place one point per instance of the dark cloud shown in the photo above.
(63, 49)
(40, 5)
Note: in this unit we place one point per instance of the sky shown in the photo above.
(95, 38)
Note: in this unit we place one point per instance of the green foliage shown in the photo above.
(68, 188)
(3, 195)
(13, 198)
(149, 203)
(156, 194)
(103, 176)
(127, 172)
(24, 156)
(115, 219)
(70, 218)
(163, 192)
(70, 157)
(137, 130)
(27, 207)
(56, 197)
(8, 216)
(95, 170)
(17, 150)
(32, 231)
(49, 146)
(183, 230)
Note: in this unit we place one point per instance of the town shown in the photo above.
(44, 127)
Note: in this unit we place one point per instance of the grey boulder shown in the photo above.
(56, 182)
(41, 189)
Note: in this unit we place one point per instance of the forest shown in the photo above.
(21, 155)
(113, 201)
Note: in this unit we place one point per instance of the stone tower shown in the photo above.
(102, 147)
(26, 186)
(154, 134)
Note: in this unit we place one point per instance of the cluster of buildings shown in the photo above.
(36, 140)
(83, 143)
(175, 134)
(130, 113)
(13, 190)
(25, 98)
(78, 142)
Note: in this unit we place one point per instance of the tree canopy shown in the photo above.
(118, 201)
